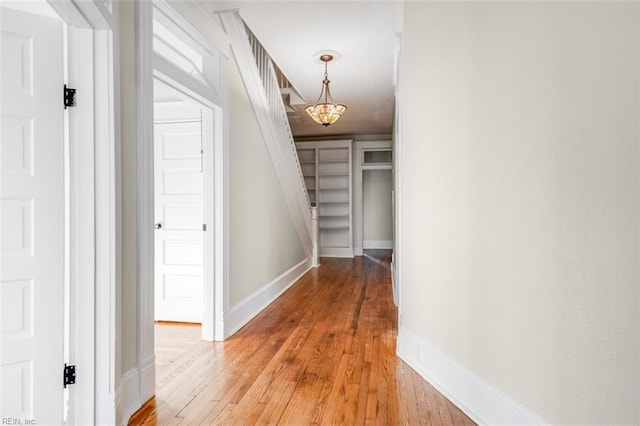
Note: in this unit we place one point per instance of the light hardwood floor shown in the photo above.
(323, 353)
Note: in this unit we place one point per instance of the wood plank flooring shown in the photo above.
(323, 353)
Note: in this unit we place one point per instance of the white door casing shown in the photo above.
(32, 217)
(179, 221)
(358, 169)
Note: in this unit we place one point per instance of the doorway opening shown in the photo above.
(377, 220)
(176, 58)
(178, 207)
(182, 271)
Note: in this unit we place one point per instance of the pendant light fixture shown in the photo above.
(325, 111)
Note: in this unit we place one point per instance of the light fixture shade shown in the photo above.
(325, 114)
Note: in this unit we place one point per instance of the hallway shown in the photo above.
(323, 353)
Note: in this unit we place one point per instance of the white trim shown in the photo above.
(186, 22)
(396, 172)
(377, 166)
(145, 196)
(167, 72)
(92, 210)
(83, 14)
(221, 215)
(96, 13)
(392, 267)
(69, 13)
(132, 391)
(210, 138)
(325, 143)
(336, 252)
(358, 168)
(127, 400)
(246, 310)
(106, 269)
(483, 403)
(190, 18)
(377, 244)
(108, 413)
(81, 223)
(147, 372)
(315, 233)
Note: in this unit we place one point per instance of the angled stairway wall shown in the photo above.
(261, 83)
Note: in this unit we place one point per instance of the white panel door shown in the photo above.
(179, 219)
(32, 222)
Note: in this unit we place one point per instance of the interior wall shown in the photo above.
(263, 242)
(377, 224)
(520, 186)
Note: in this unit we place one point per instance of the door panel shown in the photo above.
(32, 217)
(179, 211)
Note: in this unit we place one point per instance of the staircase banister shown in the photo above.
(260, 79)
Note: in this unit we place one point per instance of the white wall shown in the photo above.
(377, 225)
(263, 241)
(520, 194)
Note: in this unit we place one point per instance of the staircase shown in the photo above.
(263, 88)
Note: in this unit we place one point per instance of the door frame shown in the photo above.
(92, 143)
(187, 23)
(188, 19)
(359, 168)
(209, 122)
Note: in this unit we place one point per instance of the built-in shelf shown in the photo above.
(327, 168)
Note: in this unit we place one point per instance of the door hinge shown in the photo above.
(69, 375)
(204, 226)
(69, 97)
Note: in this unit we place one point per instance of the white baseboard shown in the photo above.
(480, 401)
(147, 379)
(136, 387)
(377, 244)
(394, 289)
(246, 310)
(127, 401)
(336, 252)
(357, 251)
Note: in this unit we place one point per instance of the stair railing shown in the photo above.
(259, 76)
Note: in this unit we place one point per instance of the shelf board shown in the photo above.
(334, 227)
(334, 175)
(346, 215)
(333, 162)
(334, 189)
(334, 202)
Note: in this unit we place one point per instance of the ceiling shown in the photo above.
(364, 33)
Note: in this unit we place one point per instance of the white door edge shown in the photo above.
(93, 223)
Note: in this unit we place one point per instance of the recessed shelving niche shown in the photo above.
(326, 166)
